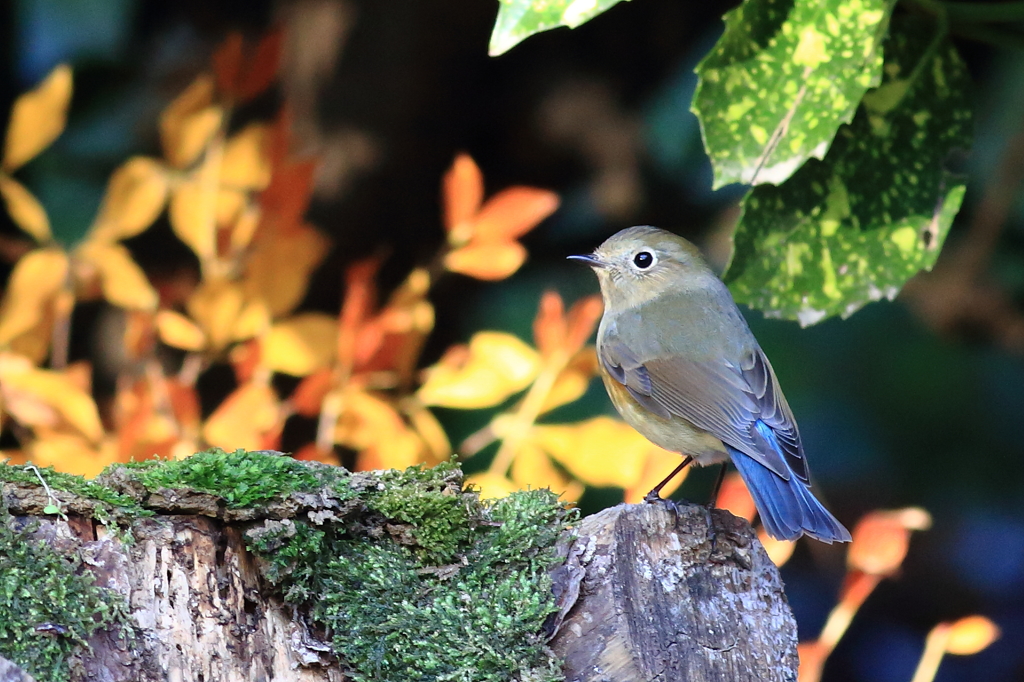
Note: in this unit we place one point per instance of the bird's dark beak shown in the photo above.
(590, 259)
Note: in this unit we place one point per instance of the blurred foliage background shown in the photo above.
(913, 402)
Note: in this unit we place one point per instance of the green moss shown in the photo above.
(49, 606)
(422, 498)
(241, 478)
(394, 614)
(110, 500)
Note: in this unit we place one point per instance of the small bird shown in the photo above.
(682, 367)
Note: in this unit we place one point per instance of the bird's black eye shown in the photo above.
(643, 260)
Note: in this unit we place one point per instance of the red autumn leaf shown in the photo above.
(227, 62)
(262, 66)
(550, 327)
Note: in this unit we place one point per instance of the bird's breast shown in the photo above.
(674, 433)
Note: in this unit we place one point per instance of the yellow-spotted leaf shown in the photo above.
(246, 163)
(24, 209)
(243, 419)
(27, 389)
(35, 281)
(178, 331)
(301, 345)
(193, 212)
(189, 122)
(487, 260)
(38, 118)
(495, 366)
(136, 194)
(123, 281)
(971, 635)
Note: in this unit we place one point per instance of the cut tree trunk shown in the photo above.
(650, 592)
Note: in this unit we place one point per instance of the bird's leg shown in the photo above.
(717, 487)
(655, 493)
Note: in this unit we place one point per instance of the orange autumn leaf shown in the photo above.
(45, 398)
(37, 278)
(244, 418)
(881, 539)
(734, 497)
(513, 212)
(123, 282)
(243, 76)
(486, 261)
(136, 195)
(37, 118)
(24, 209)
(300, 345)
(494, 367)
(971, 635)
(178, 331)
(189, 122)
(372, 427)
(779, 551)
(554, 331)
(463, 194)
(309, 395)
(573, 381)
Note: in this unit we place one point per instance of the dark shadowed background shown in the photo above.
(915, 402)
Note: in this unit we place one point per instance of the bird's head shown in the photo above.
(638, 264)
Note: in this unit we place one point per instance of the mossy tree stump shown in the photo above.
(248, 566)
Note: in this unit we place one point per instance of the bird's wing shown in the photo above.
(723, 399)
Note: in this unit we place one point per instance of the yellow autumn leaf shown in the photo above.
(601, 451)
(123, 281)
(533, 469)
(301, 345)
(24, 209)
(279, 267)
(217, 305)
(365, 420)
(193, 215)
(438, 447)
(188, 123)
(253, 320)
(488, 260)
(72, 454)
(136, 194)
(573, 381)
(36, 279)
(243, 418)
(37, 118)
(244, 228)
(246, 163)
(491, 486)
(971, 635)
(178, 331)
(25, 384)
(497, 366)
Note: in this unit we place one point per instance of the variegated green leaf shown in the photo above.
(781, 80)
(519, 19)
(855, 226)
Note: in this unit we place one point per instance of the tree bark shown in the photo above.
(646, 592)
(669, 593)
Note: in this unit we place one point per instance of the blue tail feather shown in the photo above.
(788, 509)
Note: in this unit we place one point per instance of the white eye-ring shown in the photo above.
(644, 260)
